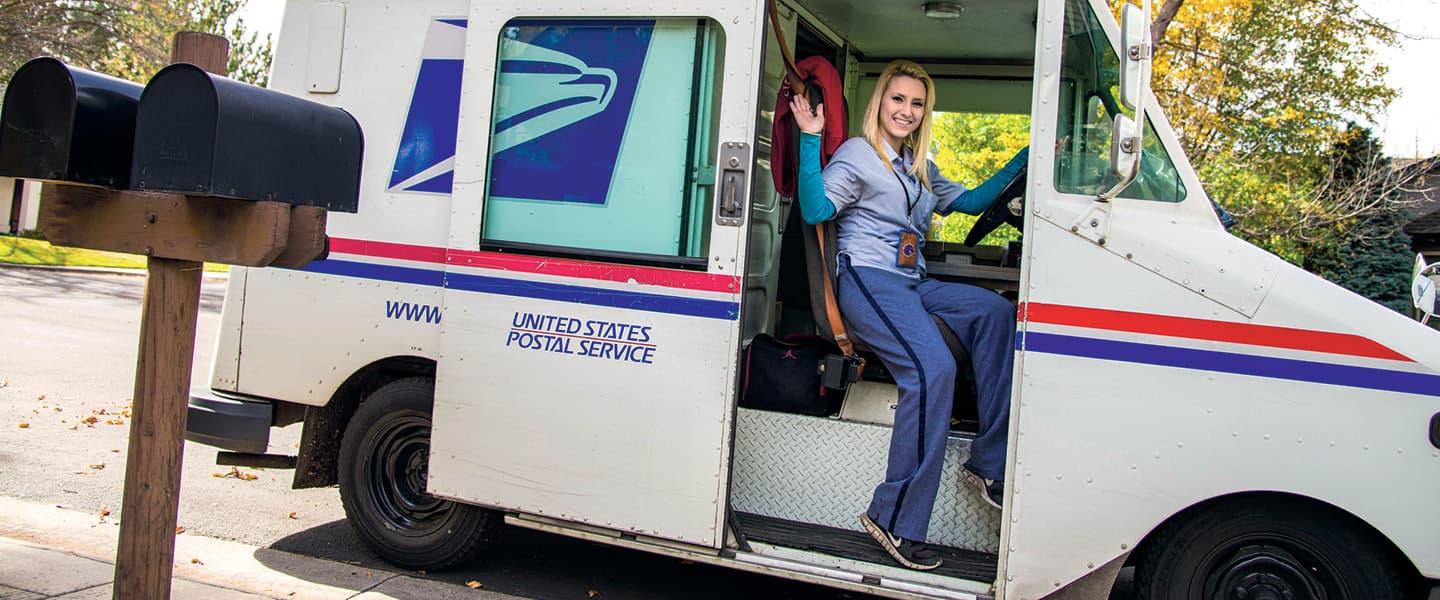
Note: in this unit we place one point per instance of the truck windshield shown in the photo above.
(1090, 84)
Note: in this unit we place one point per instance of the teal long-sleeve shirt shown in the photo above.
(816, 206)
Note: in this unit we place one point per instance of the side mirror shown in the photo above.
(1135, 23)
(1422, 287)
(1128, 133)
(1125, 148)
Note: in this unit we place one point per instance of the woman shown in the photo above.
(881, 190)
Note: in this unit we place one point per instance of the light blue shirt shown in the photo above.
(871, 206)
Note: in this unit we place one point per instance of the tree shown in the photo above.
(969, 147)
(1373, 257)
(78, 32)
(1259, 92)
(150, 24)
(125, 38)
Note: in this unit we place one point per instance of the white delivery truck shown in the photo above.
(567, 235)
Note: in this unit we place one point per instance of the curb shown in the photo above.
(47, 537)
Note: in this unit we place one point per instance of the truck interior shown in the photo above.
(981, 62)
(981, 58)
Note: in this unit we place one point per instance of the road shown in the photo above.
(67, 361)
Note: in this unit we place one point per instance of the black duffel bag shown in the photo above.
(784, 375)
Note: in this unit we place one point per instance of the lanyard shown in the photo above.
(909, 204)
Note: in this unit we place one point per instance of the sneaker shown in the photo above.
(910, 554)
(993, 492)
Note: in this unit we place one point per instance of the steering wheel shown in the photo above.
(999, 210)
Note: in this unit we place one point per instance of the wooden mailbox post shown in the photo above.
(193, 168)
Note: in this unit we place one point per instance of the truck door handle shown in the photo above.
(734, 183)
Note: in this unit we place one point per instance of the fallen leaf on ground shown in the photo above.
(236, 474)
(40, 397)
(97, 467)
(58, 409)
(196, 561)
(117, 450)
(474, 585)
(104, 512)
(292, 515)
(90, 421)
(179, 530)
(24, 425)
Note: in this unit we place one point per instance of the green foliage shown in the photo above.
(30, 248)
(1371, 256)
(1259, 92)
(151, 24)
(1378, 267)
(969, 148)
(129, 39)
(79, 32)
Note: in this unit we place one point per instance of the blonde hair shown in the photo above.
(918, 140)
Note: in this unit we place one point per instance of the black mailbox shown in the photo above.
(202, 134)
(67, 124)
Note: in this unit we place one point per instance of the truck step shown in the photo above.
(251, 459)
(961, 563)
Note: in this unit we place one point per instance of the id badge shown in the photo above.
(909, 249)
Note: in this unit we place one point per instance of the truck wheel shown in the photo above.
(384, 462)
(1254, 549)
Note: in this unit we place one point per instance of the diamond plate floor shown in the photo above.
(964, 564)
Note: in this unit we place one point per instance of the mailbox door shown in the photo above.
(592, 287)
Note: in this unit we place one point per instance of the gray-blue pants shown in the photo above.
(891, 314)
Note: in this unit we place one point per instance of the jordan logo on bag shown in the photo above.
(790, 354)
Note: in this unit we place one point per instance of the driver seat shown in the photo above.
(817, 265)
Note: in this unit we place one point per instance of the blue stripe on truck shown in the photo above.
(675, 305)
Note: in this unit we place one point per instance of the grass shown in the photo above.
(26, 251)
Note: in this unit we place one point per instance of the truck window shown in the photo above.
(601, 140)
(1090, 83)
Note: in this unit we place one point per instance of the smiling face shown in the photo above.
(902, 109)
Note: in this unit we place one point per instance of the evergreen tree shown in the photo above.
(1371, 256)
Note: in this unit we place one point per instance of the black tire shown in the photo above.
(1265, 548)
(384, 462)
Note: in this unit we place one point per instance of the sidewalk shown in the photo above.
(51, 552)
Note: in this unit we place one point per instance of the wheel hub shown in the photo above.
(400, 464)
(1265, 573)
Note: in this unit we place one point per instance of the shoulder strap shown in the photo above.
(832, 308)
(792, 73)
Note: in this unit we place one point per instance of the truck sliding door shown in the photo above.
(593, 279)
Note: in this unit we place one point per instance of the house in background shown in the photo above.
(19, 205)
(1421, 190)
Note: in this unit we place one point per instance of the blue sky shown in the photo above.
(1410, 128)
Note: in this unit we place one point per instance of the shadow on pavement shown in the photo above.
(122, 287)
(533, 564)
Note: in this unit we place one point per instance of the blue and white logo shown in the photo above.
(425, 160)
(542, 90)
(562, 100)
